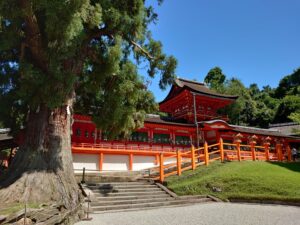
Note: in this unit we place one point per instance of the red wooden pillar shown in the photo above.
(101, 161)
(221, 149)
(267, 151)
(206, 156)
(193, 158)
(267, 147)
(253, 140)
(130, 161)
(280, 152)
(178, 162)
(289, 153)
(238, 148)
(161, 168)
(237, 141)
(156, 159)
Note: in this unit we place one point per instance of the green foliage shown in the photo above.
(289, 104)
(243, 180)
(256, 107)
(289, 85)
(50, 50)
(215, 78)
(295, 117)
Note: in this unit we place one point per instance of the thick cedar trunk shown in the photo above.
(42, 169)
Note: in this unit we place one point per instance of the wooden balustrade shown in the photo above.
(192, 157)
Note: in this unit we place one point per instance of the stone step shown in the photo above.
(131, 201)
(118, 183)
(145, 208)
(126, 190)
(106, 178)
(132, 186)
(148, 204)
(99, 194)
(132, 197)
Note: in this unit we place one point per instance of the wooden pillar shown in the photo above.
(277, 149)
(289, 153)
(238, 148)
(237, 140)
(178, 162)
(252, 144)
(151, 139)
(156, 159)
(206, 156)
(193, 158)
(161, 169)
(267, 151)
(130, 161)
(280, 152)
(267, 147)
(253, 141)
(101, 161)
(221, 150)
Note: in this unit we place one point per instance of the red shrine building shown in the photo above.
(192, 119)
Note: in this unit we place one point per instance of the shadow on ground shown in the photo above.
(294, 166)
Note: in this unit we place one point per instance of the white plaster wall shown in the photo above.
(143, 162)
(169, 160)
(115, 162)
(89, 161)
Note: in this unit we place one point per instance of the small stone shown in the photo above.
(216, 189)
(21, 222)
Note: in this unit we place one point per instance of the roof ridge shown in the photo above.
(191, 81)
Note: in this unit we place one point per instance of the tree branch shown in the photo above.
(146, 53)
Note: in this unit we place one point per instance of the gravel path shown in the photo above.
(203, 214)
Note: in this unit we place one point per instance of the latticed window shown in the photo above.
(139, 136)
(182, 140)
(86, 133)
(161, 138)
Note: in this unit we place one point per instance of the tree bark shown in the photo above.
(42, 170)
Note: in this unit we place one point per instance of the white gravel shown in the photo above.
(203, 214)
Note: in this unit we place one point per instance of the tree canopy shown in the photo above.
(50, 51)
(59, 57)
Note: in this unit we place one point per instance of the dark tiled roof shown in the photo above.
(157, 119)
(287, 128)
(252, 130)
(201, 88)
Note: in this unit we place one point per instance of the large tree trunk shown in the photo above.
(42, 171)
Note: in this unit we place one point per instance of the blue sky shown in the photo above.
(256, 41)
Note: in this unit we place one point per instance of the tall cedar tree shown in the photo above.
(55, 52)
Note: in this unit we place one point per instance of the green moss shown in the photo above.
(243, 180)
(15, 207)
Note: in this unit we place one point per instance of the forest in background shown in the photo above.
(259, 107)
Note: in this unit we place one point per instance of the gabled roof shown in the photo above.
(193, 86)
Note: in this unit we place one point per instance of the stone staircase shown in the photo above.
(135, 195)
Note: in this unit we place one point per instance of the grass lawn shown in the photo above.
(242, 180)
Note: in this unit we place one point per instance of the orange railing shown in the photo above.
(170, 162)
(219, 151)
